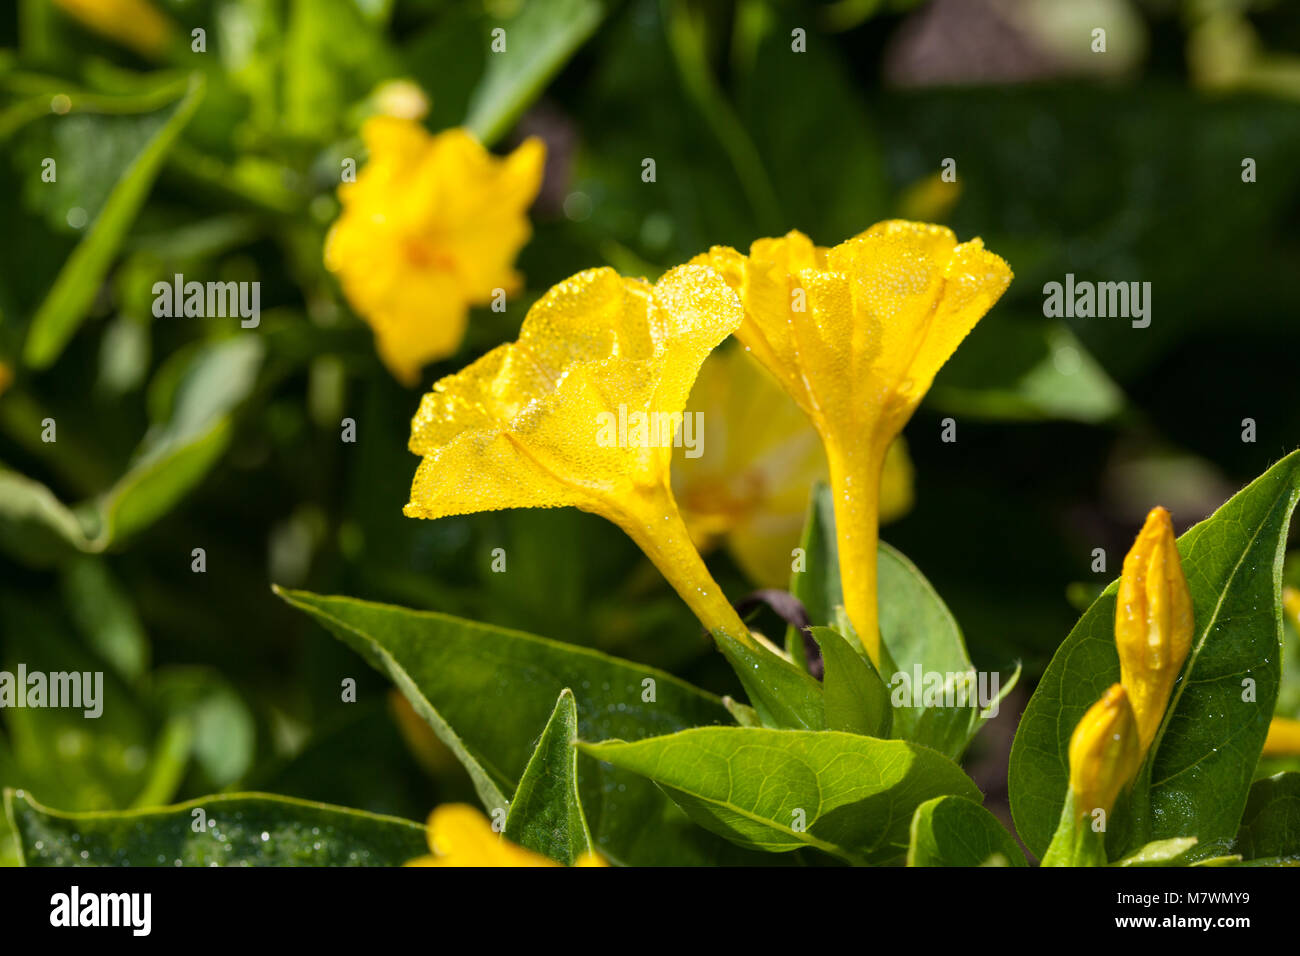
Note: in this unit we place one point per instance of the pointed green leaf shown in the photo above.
(783, 695)
(546, 812)
(954, 831)
(817, 586)
(486, 690)
(855, 698)
(779, 790)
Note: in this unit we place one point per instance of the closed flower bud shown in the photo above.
(1104, 752)
(1153, 623)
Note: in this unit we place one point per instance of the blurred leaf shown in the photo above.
(35, 527)
(241, 829)
(539, 40)
(63, 754)
(176, 456)
(78, 281)
(222, 731)
(1013, 370)
(105, 615)
(546, 812)
(333, 55)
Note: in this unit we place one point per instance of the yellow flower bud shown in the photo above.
(1104, 752)
(1153, 622)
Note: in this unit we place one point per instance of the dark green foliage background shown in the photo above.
(215, 684)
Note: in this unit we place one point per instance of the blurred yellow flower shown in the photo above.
(431, 227)
(1104, 753)
(582, 411)
(1283, 738)
(855, 334)
(460, 835)
(759, 458)
(1153, 622)
(133, 23)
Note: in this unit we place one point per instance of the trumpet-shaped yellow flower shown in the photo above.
(581, 412)
(1104, 752)
(747, 481)
(133, 23)
(459, 835)
(856, 335)
(1153, 622)
(431, 227)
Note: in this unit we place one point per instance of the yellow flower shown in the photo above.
(856, 335)
(430, 227)
(1104, 752)
(581, 412)
(1153, 622)
(757, 456)
(459, 835)
(133, 23)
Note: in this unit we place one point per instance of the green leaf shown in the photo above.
(79, 280)
(1196, 781)
(485, 690)
(1270, 825)
(237, 829)
(1018, 370)
(333, 55)
(855, 698)
(176, 456)
(779, 790)
(539, 40)
(546, 812)
(954, 831)
(35, 526)
(783, 695)
(818, 585)
(1159, 853)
